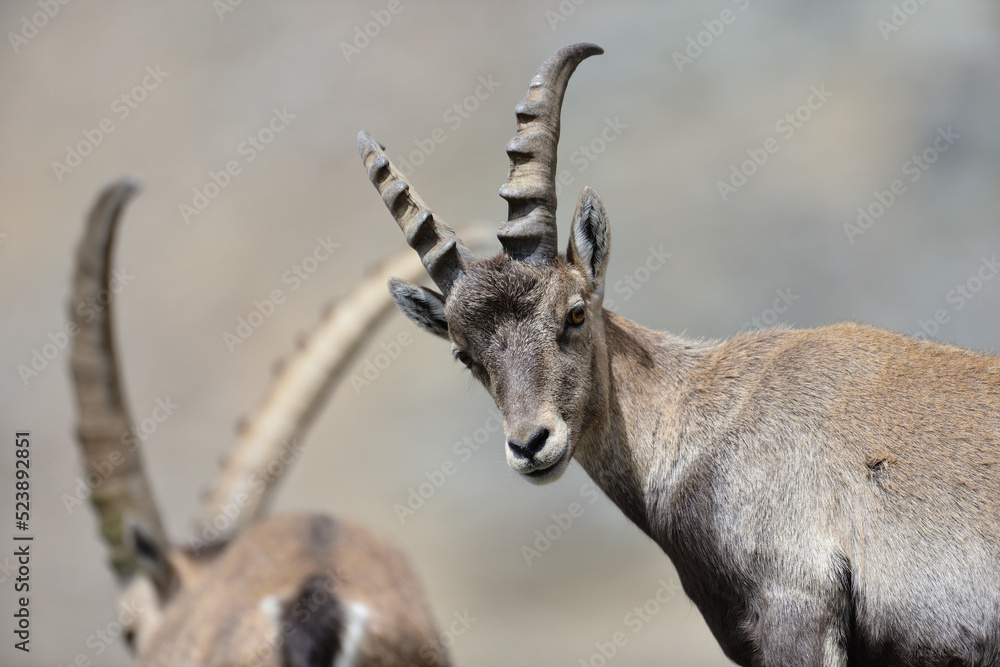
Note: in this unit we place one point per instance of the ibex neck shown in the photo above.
(633, 449)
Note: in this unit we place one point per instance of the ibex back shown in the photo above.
(828, 496)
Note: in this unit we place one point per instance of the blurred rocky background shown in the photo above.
(800, 162)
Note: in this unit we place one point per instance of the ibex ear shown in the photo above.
(590, 239)
(425, 307)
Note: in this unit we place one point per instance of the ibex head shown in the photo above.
(527, 323)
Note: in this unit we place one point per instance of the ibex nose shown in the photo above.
(532, 447)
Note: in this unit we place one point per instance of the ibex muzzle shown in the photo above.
(828, 496)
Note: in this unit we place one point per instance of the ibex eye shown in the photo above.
(464, 358)
(576, 316)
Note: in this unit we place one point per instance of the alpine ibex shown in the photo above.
(290, 590)
(828, 496)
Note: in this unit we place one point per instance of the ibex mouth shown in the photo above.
(549, 473)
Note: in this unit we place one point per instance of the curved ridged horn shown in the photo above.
(530, 232)
(124, 497)
(442, 253)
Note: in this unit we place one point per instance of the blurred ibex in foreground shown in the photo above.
(290, 590)
(828, 496)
